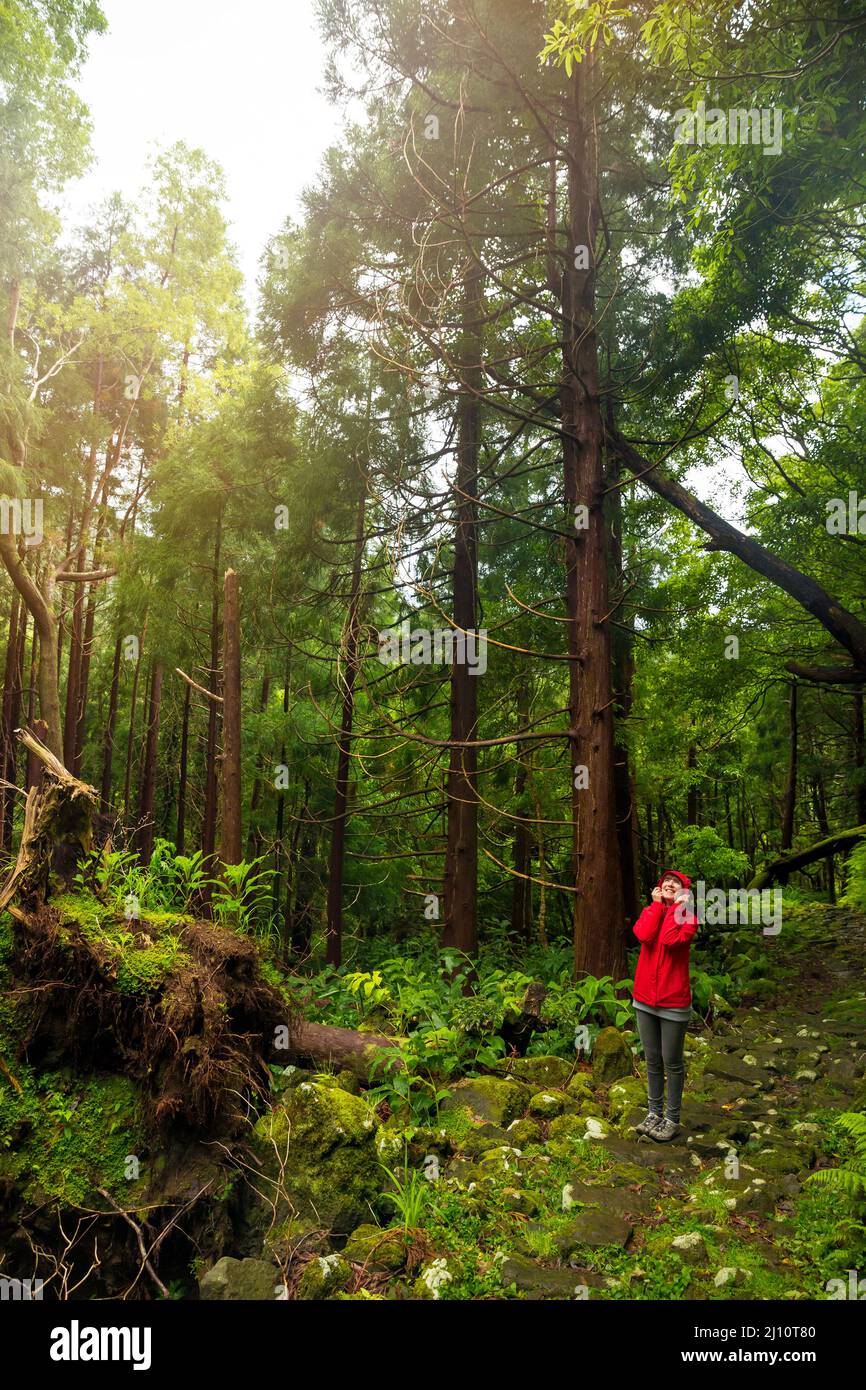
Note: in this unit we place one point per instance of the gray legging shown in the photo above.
(663, 1040)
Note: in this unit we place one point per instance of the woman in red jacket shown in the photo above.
(663, 998)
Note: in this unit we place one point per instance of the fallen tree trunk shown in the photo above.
(342, 1047)
(847, 629)
(349, 1049)
(789, 863)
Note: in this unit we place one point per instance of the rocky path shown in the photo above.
(594, 1211)
(717, 1207)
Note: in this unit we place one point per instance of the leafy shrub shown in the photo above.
(855, 878)
(850, 1179)
(700, 852)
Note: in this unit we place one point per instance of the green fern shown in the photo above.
(850, 1181)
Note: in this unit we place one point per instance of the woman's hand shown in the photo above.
(657, 895)
(682, 896)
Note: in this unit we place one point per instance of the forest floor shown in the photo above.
(528, 1182)
(725, 1210)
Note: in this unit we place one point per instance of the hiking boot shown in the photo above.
(664, 1131)
(648, 1125)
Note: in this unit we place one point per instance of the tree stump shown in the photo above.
(58, 819)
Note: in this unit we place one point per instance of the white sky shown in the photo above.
(236, 78)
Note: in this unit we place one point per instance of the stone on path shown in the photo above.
(232, 1280)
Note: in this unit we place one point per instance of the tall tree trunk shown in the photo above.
(662, 847)
(89, 624)
(180, 835)
(790, 798)
(820, 804)
(649, 856)
(14, 717)
(255, 839)
(692, 794)
(624, 786)
(6, 725)
(298, 918)
(130, 741)
(211, 785)
(280, 824)
(147, 795)
(231, 849)
(61, 618)
(728, 820)
(35, 766)
(334, 947)
(598, 903)
(73, 670)
(461, 852)
(76, 645)
(521, 886)
(40, 600)
(108, 736)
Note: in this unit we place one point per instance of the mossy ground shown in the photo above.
(64, 1136)
(142, 953)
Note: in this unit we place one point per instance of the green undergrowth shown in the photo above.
(62, 1134)
(65, 1135)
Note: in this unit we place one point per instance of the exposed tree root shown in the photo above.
(195, 1041)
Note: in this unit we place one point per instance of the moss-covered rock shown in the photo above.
(245, 1280)
(580, 1088)
(523, 1200)
(546, 1106)
(63, 1136)
(497, 1100)
(287, 1078)
(462, 1172)
(611, 1057)
(376, 1248)
(567, 1127)
(522, 1133)
(625, 1095)
(541, 1073)
(535, 1281)
(325, 1141)
(293, 1237)
(485, 1137)
(501, 1162)
(344, 1080)
(323, 1277)
(594, 1227)
(690, 1247)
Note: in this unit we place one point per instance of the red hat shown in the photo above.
(683, 878)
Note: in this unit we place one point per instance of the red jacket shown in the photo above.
(662, 976)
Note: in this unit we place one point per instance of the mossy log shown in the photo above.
(342, 1047)
(789, 863)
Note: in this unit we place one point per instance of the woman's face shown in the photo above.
(670, 887)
